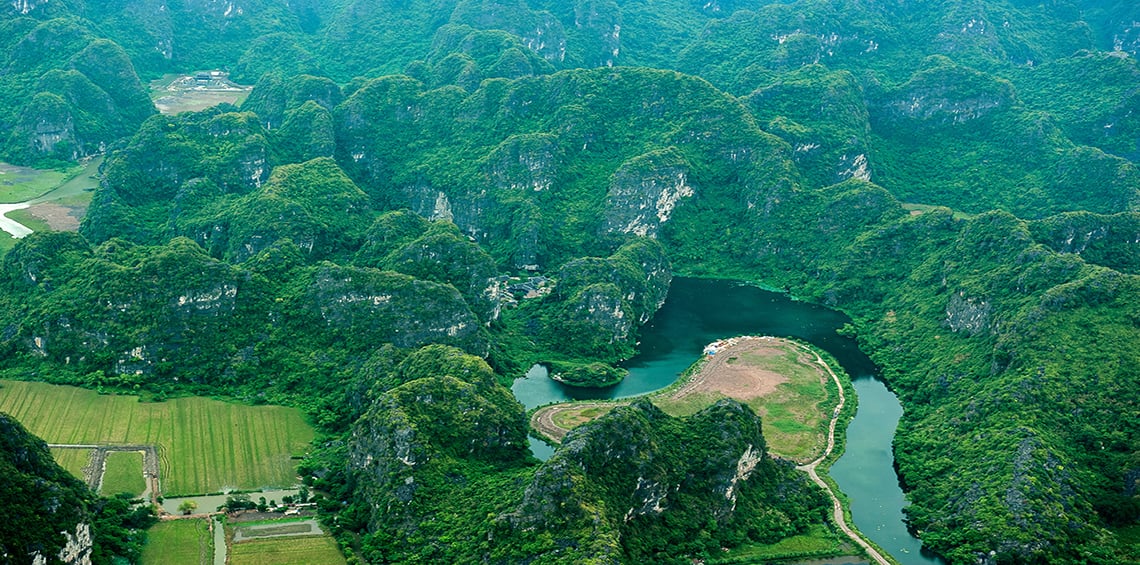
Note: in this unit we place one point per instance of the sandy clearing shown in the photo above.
(724, 372)
(59, 217)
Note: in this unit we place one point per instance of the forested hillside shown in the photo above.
(419, 199)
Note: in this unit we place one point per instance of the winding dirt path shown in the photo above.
(810, 468)
(543, 418)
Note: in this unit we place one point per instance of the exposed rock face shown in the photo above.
(80, 94)
(365, 306)
(967, 314)
(1111, 241)
(25, 7)
(524, 162)
(598, 303)
(158, 162)
(601, 23)
(539, 30)
(645, 191)
(312, 203)
(49, 128)
(946, 94)
(77, 550)
(448, 409)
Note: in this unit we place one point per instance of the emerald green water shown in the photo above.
(699, 311)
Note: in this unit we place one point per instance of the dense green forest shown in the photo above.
(421, 198)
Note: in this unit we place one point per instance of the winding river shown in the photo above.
(699, 311)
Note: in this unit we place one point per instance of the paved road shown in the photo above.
(810, 468)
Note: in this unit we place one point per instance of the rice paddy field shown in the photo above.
(305, 550)
(73, 460)
(204, 445)
(186, 542)
(123, 474)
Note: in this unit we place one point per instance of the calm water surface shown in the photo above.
(700, 311)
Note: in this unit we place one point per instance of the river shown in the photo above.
(699, 311)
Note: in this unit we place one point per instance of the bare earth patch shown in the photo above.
(734, 371)
(59, 217)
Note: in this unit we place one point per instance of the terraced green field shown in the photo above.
(204, 445)
(178, 541)
(286, 551)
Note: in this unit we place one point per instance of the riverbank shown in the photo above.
(774, 376)
(839, 515)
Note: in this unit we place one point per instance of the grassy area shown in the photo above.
(1129, 539)
(18, 184)
(796, 415)
(123, 474)
(178, 541)
(571, 419)
(204, 445)
(74, 460)
(25, 217)
(286, 551)
(817, 542)
(7, 242)
(265, 531)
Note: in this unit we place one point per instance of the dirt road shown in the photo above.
(543, 418)
(810, 468)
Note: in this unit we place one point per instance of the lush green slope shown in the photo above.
(64, 93)
(441, 455)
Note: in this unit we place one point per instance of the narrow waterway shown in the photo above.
(866, 473)
(219, 542)
(699, 311)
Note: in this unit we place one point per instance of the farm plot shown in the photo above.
(74, 460)
(286, 551)
(178, 541)
(204, 445)
(123, 474)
